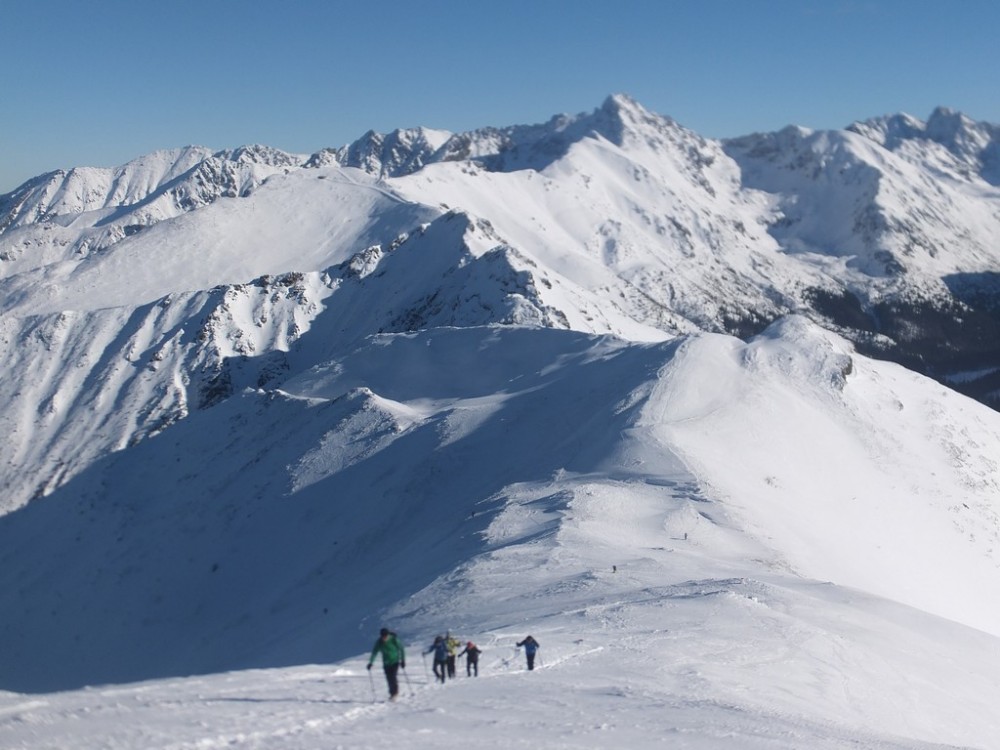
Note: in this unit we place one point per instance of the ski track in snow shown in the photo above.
(570, 701)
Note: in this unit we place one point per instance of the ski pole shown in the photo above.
(372, 681)
(408, 683)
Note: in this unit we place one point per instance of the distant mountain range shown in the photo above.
(616, 221)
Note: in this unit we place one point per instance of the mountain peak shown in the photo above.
(621, 115)
(960, 133)
(256, 153)
(951, 128)
(975, 146)
(401, 152)
(623, 105)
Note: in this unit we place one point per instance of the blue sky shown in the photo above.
(98, 83)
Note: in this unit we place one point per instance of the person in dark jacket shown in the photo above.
(471, 655)
(393, 659)
(440, 649)
(530, 647)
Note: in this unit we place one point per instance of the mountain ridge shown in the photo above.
(600, 379)
(408, 150)
(617, 221)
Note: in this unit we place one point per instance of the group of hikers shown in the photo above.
(446, 652)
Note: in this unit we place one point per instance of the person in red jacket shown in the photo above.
(393, 659)
(471, 655)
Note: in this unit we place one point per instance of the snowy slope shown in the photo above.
(490, 490)
(259, 405)
(331, 215)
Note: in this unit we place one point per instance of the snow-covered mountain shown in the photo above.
(600, 378)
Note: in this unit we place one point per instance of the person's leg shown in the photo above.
(392, 677)
(531, 661)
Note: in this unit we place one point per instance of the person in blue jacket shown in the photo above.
(530, 647)
(440, 649)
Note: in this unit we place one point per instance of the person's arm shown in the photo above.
(375, 649)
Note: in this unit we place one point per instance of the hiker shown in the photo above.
(471, 655)
(440, 649)
(452, 644)
(393, 659)
(530, 647)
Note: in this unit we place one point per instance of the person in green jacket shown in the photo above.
(393, 659)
